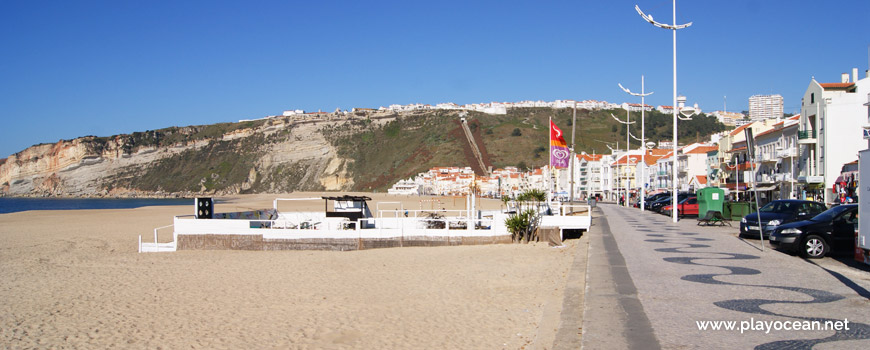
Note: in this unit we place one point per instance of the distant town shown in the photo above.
(812, 155)
(727, 118)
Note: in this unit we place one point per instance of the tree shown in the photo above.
(522, 166)
(523, 220)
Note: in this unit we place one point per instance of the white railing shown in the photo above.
(157, 246)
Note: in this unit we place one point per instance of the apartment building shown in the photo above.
(830, 132)
(763, 107)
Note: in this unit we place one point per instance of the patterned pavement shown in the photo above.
(687, 276)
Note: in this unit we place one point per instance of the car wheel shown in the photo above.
(814, 247)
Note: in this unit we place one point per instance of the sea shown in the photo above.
(12, 205)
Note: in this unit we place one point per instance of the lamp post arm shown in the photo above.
(617, 119)
(633, 93)
(649, 18)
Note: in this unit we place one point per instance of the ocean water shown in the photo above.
(12, 205)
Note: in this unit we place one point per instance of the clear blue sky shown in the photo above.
(76, 68)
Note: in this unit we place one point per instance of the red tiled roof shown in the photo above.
(738, 130)
(628, 160)
(703, 149)
(651, 159)
(836, 85)
(769, 131)
(702, 179)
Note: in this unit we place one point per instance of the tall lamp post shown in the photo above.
(642, 136)
(671, 27)
(627, 149)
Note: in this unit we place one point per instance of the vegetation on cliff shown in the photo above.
(414, 143)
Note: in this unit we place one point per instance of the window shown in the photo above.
(812, 98)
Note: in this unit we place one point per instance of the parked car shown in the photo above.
(834, 229)
(688, 206)
(657, 204)
(649, 200)
(776, 213)
(668, 201)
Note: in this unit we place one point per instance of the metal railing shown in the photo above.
(806, 134)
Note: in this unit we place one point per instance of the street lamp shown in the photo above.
(627, 149)
(672, 27)
(615, 152)
(642, 135)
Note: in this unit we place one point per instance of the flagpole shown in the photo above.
(550, 158)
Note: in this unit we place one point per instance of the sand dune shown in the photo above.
(74, 279)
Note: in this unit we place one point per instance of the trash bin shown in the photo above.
(741, 209)
(710, 198)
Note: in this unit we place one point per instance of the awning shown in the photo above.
(766, 188)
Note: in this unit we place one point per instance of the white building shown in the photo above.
(591, 176)
(406, 187)
(763, 107)
(830, 135)
(776, 151)
(727, 118)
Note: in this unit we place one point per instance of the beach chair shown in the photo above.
(713, 217)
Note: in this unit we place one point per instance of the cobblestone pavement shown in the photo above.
(687, 276)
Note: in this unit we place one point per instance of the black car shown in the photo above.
(833, 229)
(659, 203)
(779, 212)
(649, 200)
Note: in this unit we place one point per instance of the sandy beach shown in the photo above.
(74, 279)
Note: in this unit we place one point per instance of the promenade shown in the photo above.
(651, 283)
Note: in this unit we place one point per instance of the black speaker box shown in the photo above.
(204, 208)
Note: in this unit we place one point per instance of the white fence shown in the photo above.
(389, 227)
(390, 224)
(157, 246)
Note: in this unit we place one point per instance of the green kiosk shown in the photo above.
(710, 198)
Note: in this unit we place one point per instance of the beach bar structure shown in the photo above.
(348, 224)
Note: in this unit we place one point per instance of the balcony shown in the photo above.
(764, 178)
(788, 153)
(806, 137)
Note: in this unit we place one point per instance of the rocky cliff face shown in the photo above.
(274, 155)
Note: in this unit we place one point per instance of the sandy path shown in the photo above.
(74, 279)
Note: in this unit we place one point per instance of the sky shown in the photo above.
(90, 67)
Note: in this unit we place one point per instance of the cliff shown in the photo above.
(275, 155)
(365, 151)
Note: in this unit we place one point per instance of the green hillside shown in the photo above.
(411, 144)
